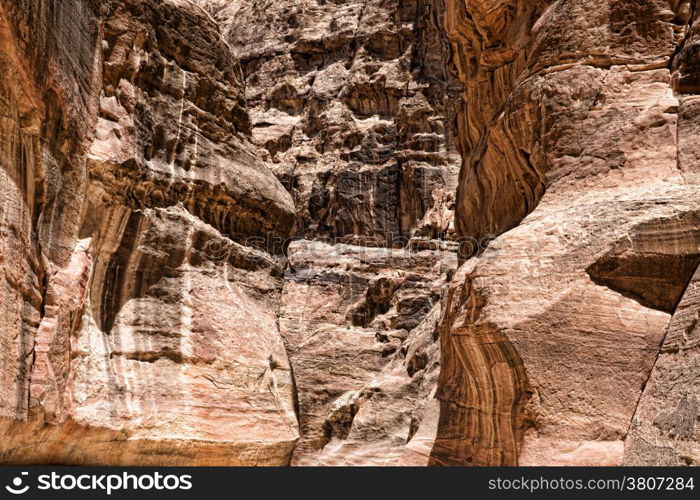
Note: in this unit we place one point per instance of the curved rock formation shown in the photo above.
(551, 334)
(146, 329)
(368, 232)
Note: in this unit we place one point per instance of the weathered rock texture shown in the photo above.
(139, 321)
(353, 107)
(346, 315)
(549, 337)
(157, 156)
(664, 429)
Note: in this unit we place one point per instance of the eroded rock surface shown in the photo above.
(346, 313)
(159, 157)
(549, 337)
(664, 430)
(391, 420)
(147, 334)
(353, 107)
(49, 102)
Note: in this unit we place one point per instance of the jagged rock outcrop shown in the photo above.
(146, 329)
(353, 107)
(371, 232)
(346, 313)
(549, 337)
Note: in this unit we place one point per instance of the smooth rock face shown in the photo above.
(367, 232)
(549, 337)
(664, 429)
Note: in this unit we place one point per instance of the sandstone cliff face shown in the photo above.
(353, 107)
(349, 315)
(550, 336)
(664, 428)
(159, 157)
(49, 59)
(142, 328)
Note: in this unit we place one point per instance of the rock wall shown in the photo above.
(349, 315)
(48, 109)
(663, 430)
(353, 106)
(578, 143)
(142, 328)
(371, 232)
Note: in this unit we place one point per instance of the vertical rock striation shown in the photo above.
(664, 430)
(353, 107)
(48, 102)
(495, 219)
(142, 328)
(575, 141)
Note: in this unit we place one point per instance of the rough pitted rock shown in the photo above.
(142, 328)
(158, 156)
(353, 108)
(346, 312)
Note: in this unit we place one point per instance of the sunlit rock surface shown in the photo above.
(353, 107)
(140, 292)
(576, 148)
(426, 232)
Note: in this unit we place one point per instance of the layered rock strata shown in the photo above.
(142, 328)
(549, 337)
(159, 158)
(352, 105)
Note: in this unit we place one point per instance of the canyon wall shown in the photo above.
(353, 108)
(369, 232)
(578, 150)
(139, 296)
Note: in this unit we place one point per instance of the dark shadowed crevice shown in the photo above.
(654, 265)
(664, 347)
